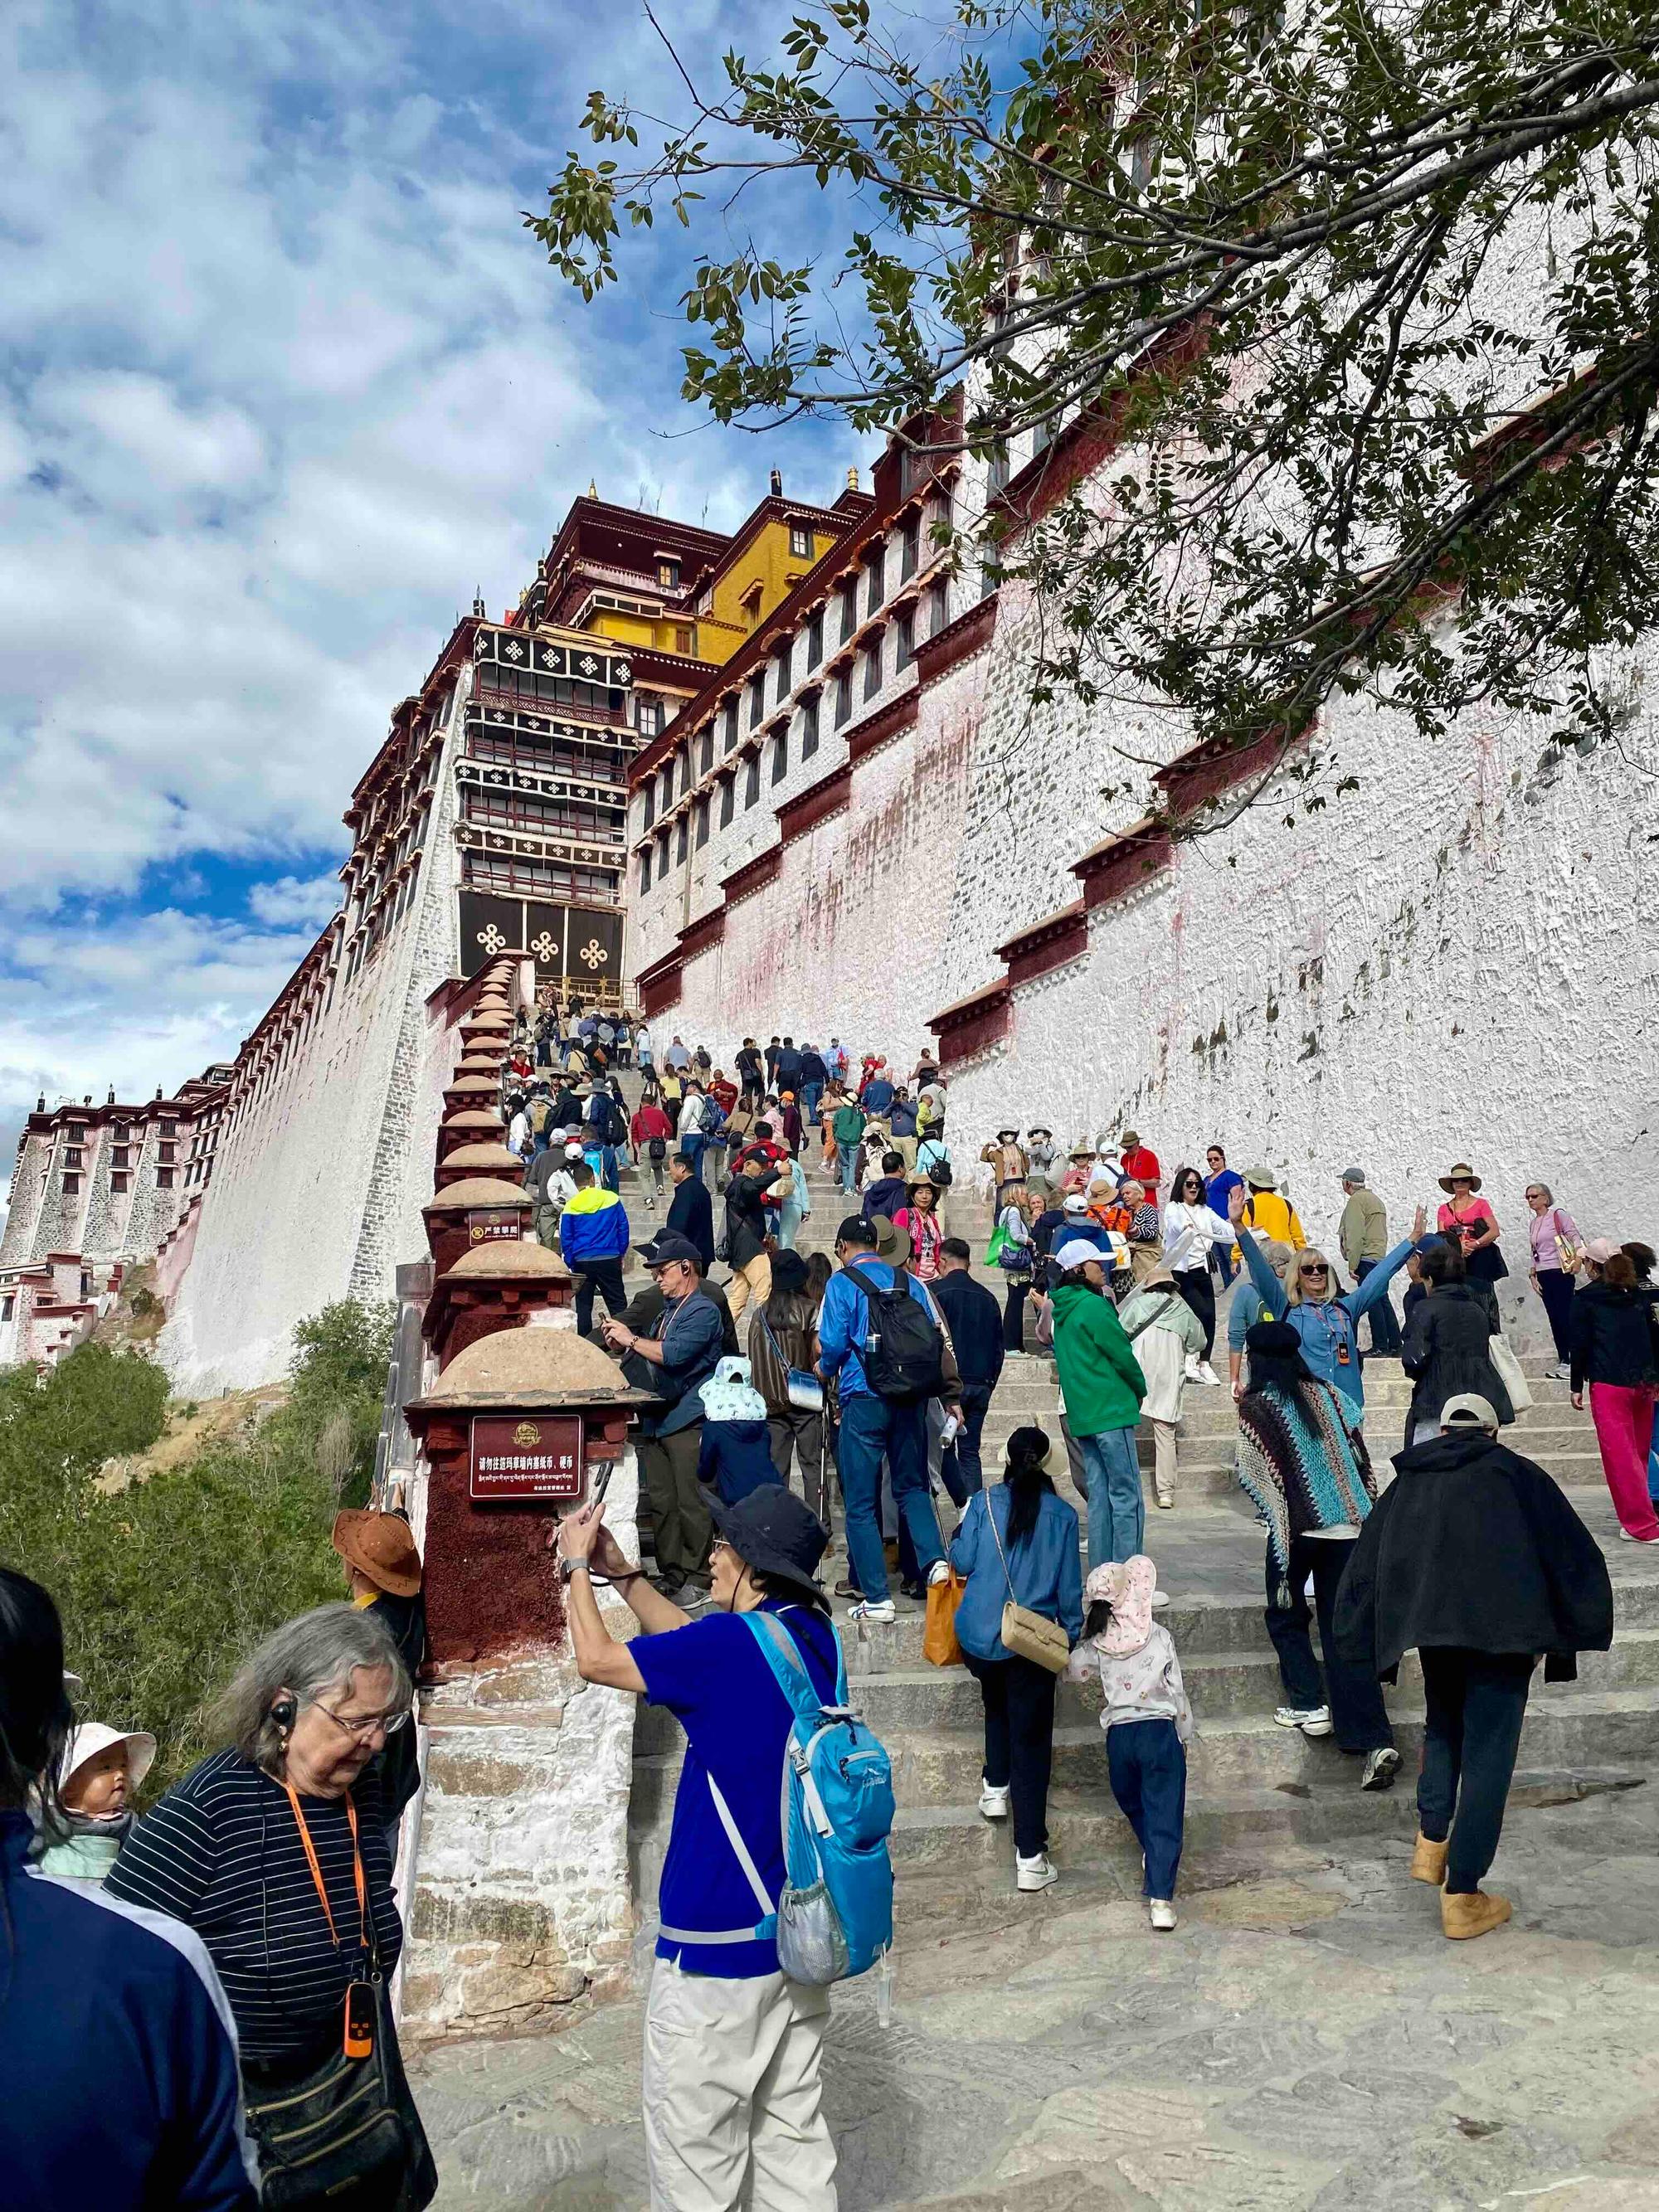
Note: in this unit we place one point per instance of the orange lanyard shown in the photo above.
(317, 1872)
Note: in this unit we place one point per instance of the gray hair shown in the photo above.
(316, 1652)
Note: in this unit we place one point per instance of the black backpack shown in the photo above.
(903, 1350)
(616, 1125)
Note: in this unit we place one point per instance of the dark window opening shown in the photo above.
(809, 727)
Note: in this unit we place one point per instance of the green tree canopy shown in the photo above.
(1358, 301)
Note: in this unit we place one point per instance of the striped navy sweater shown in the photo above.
(221, 1852)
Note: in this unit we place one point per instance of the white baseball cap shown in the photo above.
(1075, 1251)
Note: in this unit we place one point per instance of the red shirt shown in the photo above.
(651, 1122)
(727, 1093)
(1141, 1166)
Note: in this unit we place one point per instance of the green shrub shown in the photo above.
(165, 1586)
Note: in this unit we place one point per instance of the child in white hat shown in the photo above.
(99, 1778)
(1145, 1715)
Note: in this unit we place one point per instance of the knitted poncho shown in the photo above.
(1301, 1463)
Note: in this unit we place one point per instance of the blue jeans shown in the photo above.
(1147, 1762)
(810, 1095)
(871, 1429)
(692, 1147)
(846, 1157)
(1117, 1508)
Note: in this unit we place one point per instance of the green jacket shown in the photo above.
(848, 1125)
(1100, 1377)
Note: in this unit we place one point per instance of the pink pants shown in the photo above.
(1624, 1428)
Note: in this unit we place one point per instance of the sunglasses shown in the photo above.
(1318, 1268)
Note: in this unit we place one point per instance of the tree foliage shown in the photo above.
(165, 1584)
(1360, 298)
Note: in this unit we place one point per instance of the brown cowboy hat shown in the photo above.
(381, 1547)
(1459, 1172)
(920, 1182)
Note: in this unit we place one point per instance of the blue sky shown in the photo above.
(284, 379)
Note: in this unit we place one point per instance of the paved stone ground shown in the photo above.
(1306, 2039)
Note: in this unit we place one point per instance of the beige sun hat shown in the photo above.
(93, 1736)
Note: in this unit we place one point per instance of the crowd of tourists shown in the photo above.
(220, 1962)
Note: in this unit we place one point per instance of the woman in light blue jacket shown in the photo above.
(1018, 1540)
(1307, 1301)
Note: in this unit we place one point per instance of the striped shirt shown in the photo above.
(222, 1853)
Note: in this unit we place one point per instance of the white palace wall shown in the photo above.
(317, 1187)
(1457, 958)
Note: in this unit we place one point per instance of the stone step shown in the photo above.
(1563, 1727)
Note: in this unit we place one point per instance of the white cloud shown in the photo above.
(288, 902)
(289, 379)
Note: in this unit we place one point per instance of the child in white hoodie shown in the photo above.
(1145, 1715)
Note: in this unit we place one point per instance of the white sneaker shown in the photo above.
(1312, 1720)
(1625, 1537)
(878, 1611)
(993, 1802)
(1163, 1914)
(937, 1573)
(1034, 1874)
(1207, 1376)
(1193, 1370)
(1561, 1372)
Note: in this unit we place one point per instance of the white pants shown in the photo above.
(734, 2104)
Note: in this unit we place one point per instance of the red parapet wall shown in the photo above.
(1046, 945)
(816, 805)
(1202, 773)
(956, 641)
(1122, 864)
(881, 728)
(753, 875)
(708, 929)
(662, 991)
(972, 1025)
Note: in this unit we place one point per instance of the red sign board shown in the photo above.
(486, 1224)
(527, 1456)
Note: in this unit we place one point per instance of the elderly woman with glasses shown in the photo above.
(1307, 1300)
(274, 1849)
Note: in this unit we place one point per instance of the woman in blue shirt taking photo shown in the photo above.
(1018, 1540)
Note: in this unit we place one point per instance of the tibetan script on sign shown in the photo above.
(484, 1225)
(521, 1456)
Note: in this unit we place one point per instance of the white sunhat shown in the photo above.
(93, 1736)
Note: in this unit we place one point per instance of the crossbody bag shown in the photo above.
(1028, 1635)
(801, 1387)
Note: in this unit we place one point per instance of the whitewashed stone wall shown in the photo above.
(1457, 959)
(317, 1190)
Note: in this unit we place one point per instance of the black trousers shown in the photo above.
(606, 1277)
(1556, 1288)
(1476, 1702)
(1019, 1740)
(1359, 1719)
(1385, 1322)
(1195, 1287)
(1013, 1314)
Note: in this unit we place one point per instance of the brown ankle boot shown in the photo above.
(1475, 1913)
(1429, 1860)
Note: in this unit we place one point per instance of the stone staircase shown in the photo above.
(1258, 1793)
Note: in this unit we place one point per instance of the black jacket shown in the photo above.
(812, 1069)
(1445, 1352)
(748, 1224)
(568, 1109)
(1612, 1335)
(691, 1215)
(975, 1321)
(1472, 1547)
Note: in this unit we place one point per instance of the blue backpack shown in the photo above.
(835, 1916)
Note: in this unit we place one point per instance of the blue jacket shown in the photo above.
(1325, 1329)
(1045, 1569)
(733, 1458)
(116, 2050)
(593, 1226)
(884, 1197)
(877, 1096)
(844, 1322)
(901, 1117)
